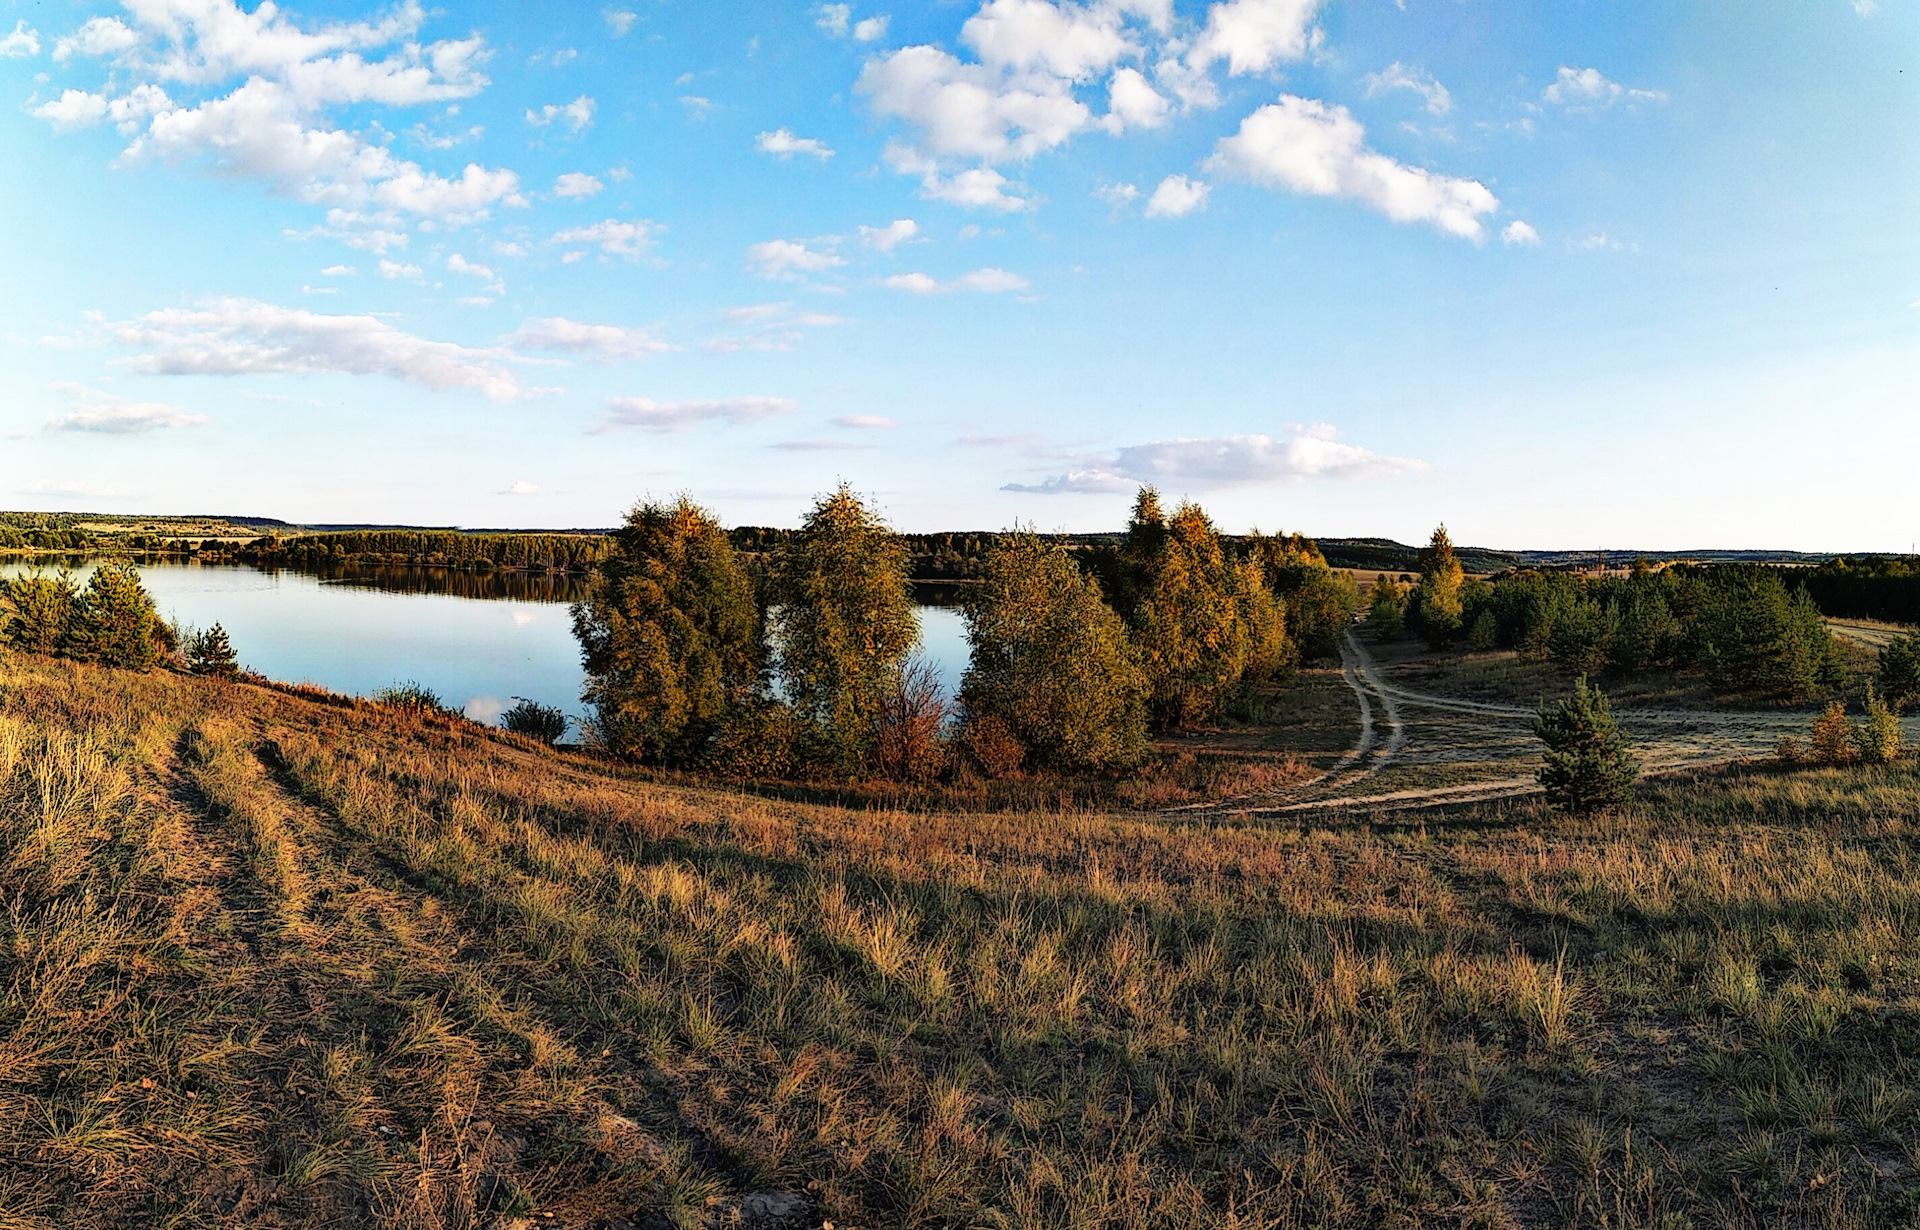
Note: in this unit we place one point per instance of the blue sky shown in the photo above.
(1557, 274)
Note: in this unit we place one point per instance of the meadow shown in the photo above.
(275, 958)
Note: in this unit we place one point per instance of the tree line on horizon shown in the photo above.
(806, 664)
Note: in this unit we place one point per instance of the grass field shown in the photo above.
(273, 961)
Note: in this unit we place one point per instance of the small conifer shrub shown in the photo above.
(1588, 764)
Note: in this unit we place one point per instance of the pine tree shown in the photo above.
(1051, 662)
(1437, 601)
(211, 653)
(1588, 764)
(845, 622)
(1900, 670)
(115, 623)
(669, 634)
(41, 611)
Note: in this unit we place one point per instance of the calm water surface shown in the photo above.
(478, 642)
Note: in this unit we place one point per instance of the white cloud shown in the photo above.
(238, 337)
(101, 36)
(23, 42)
(872, 29)
(1251, 35)
(987, 281)
(110, 414)
(1518, 232)
(457, 263)
(980, 188)
(615, 238)
(833, 18)
(1177, 196)
(1132, 103)
(787, 259)
(1061, 40)
(576, 185)
(1317, 149)
(576, 114)
(619, 21)
(1224, 461)
(521, 486)
(966, 110)
(644, 412)
(865, 422)
(1117, 195)
(697, 107)
(781, 143)
(339, 271)
(394, 270)
(600, 343)
(73, 109)
(1586, 88)
(1397, 76)
(913, 283)
(1866, 8)
(892, 235)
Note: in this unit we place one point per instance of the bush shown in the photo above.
(1834, 740)
(114, 622)
(907, 726)
(546, 723)
(417, 697)
(1900, 670)
(211, 653)
(1879, 738)
(1051, 663)
(1588, 766)
(994, 746)
(764, 741)
(844, 623)
(669, 634)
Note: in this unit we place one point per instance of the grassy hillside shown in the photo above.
(270, 961)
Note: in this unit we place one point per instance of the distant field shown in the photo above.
(277, 961)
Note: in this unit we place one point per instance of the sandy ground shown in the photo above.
(1417, 748)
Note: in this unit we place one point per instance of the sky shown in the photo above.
(1558, 275)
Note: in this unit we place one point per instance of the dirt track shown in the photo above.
(1442, 749)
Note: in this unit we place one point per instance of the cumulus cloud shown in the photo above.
(576, 185)
(980, 188)
(395, 270)
(1519, 233)
(619, 21)
(339, 271)
(1191, 463)
(986, 281)
(599, 343)
(1318, 149)
(966, 110)
(787, 259)
(1133, 103)
(1117, 195)
(1397, 76)
(576, 114)
(110, 414)
(892, 235)
(23, 42)
(871, 29)
(651, 415)
(521, 486)
(1177, 196)
(243, 337)
(1253, 35)
(1586, 88)
(781, 143)
(614, 237)
(273, 125)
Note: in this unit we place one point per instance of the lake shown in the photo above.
(478, 641)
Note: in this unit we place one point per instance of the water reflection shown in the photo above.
(454, 583)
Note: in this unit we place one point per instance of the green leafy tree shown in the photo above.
(1386, 608)
(546, 723)
(41, 611)
(1201, 625)
(211, 653)
(844, 622)
(1900, 670)
(1051, 661)
(114, 622)
(1836, 741)
(1319, 602)
(669, 634)
(1437, 602)
(1588, 764)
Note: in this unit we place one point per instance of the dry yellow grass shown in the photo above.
(275, 962)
